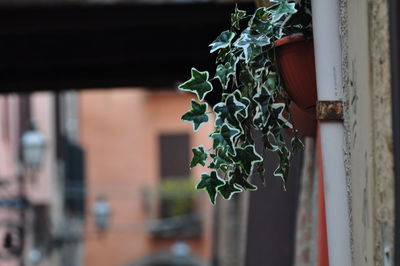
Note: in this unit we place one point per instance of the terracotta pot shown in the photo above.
(303, 121)
(295, 56)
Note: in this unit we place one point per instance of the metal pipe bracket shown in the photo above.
(329, 110)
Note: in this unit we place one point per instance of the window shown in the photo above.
(174, 156)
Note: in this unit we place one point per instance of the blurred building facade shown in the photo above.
(138, 152)
(370, 149)
(37, 225)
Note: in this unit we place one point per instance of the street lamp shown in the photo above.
(102, 212)
(33, 146)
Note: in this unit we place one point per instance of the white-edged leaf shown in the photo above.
(239, 179)
(210, 183)
(198, 84)
(197, 115)
(225, 137)
(278, 109)
(222, 41)
(247, 157)
(199, 156)
(227, 111)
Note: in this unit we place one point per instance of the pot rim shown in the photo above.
(296, 37)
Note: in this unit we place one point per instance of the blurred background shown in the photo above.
(94, 156)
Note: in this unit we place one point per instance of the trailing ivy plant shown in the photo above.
(253, 103)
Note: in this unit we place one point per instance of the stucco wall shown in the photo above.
(119, 130)
(369, 158)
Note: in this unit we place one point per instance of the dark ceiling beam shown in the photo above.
(84, 46)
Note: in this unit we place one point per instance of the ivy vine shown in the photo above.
(253, 104)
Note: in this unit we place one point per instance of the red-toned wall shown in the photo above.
(119, 131)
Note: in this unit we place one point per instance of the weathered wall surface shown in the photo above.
(382, 131)
(369, 158)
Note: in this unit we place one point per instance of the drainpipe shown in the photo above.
(329, 86)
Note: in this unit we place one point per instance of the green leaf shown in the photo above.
(223, 73)
(276, 134)
(251, 44)
(225, 138)
(277, 110)
(261, 14)
(267, 143)
(228, 190)
(297, 144)
(271, 82)
(197, 115)
(236, 17)
(247, 157)
(258, 119)
(199, 156)
(284, 9)
(263, 98)
(228, 110)
(246, 78)
(222, 41)
(239, 179)
(223, 54)
(261, 172)
(245, 101)
(211, 182)
(221, 160)
(198, 84)
(259, 22)
(282, 170)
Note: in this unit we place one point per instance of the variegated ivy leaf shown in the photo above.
(247, 37)
(247, 157)
(238, 178)
(250, 52)
(276, 134)
(225, 137)
(251, 44)
(228, 190)
(221, 160)
(223, 54)
(258, 119)
(259, 22)
(236, 17)
(247, 78)
(271, 82)
(261, 172)
(210, 183)
(224, 71)
(278, 109)
(261, 14)
(259, 67)
(223, 40)
(263, 98)
(244, 100)
(198, 84)
(285, 8)
(282, 170)
(228, 110)
(267, 142)
(197, 115)
(297, 144)
(199, 156)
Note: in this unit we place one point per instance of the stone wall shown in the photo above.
(369, 156)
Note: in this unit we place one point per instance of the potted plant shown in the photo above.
(253, 58)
